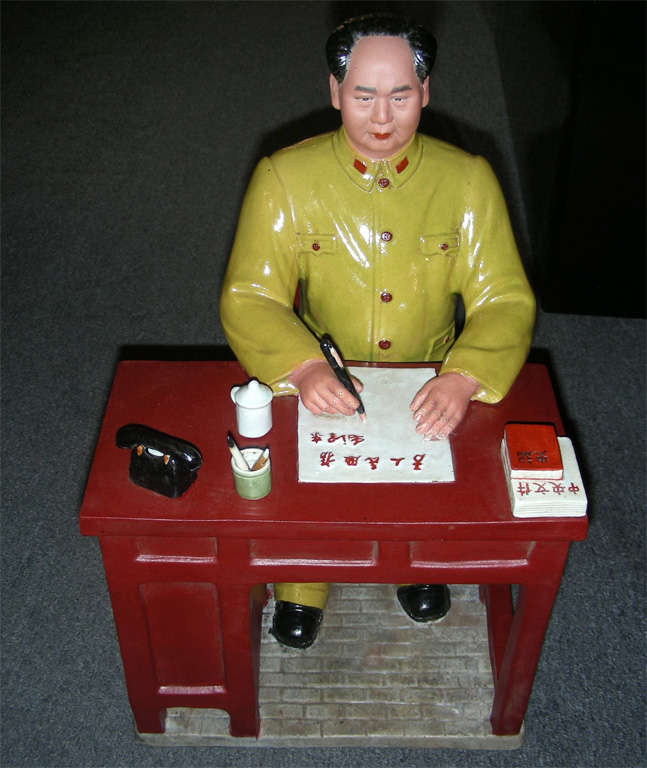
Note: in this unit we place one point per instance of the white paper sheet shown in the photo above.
(383, 449)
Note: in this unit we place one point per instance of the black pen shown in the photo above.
(334, 359)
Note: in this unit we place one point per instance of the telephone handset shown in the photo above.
(159, 462)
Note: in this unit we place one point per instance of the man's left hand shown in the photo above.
(440, 405)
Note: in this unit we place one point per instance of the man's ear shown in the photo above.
(335, 95)
(425, 91)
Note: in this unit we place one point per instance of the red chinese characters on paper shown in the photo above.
(373, 463)
(328, 458)
(417, 461)
(534, 487)
(333, 437)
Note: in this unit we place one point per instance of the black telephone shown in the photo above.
(159, 462)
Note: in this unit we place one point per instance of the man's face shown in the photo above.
(381, 97)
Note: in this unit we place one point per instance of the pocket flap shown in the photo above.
(443, 243)
(317, 245)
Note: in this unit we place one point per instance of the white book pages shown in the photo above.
(545, 497)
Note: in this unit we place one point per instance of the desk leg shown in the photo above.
(149, 721)
(517, 670)
(133, 634)
(497, 599)
(241, 623)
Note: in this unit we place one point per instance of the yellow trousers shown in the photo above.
(313, 594)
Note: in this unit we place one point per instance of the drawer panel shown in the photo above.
(291, 551)
(470, 553)
(175, 549)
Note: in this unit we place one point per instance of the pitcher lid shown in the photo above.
(253, 394)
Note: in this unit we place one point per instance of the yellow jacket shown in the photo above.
(378, 251)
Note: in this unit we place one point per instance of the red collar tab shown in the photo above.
(402, 165)
(359, 165)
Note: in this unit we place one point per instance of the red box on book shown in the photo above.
(533, 451)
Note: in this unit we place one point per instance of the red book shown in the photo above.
(532, 450)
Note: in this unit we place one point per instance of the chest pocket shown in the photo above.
(316, 246)
(441, 245)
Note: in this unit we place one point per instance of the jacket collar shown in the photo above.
(365, 173)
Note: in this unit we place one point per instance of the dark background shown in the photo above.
(590, 256)
(553, 94)
(129, 132)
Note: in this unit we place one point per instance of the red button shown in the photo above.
(384, 183)
(443, 246)
(386, 296)
(315, 246)
(384, 344)
(386, 236)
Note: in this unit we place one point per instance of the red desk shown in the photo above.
(187, 576)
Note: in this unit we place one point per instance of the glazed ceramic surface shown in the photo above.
(253, 408)
(252, 484)
(379, 252)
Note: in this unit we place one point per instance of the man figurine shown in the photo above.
(378, 229)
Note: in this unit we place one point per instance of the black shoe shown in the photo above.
(424, 602)
(296, 625)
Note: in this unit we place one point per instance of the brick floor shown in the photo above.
(372, 678)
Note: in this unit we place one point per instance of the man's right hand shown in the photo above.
(320, 390)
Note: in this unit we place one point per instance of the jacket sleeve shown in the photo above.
(499, 303)
(257, 299)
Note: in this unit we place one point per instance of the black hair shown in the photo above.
(340, 44)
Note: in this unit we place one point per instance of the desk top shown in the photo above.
(191, 400)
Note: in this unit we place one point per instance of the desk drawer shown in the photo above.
(175, 549)
(470, 554)
(296, 552)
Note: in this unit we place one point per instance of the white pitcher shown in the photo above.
(253, 408)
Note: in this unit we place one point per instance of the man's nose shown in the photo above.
(382, 111)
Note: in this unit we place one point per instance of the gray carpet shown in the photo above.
(129, 132)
